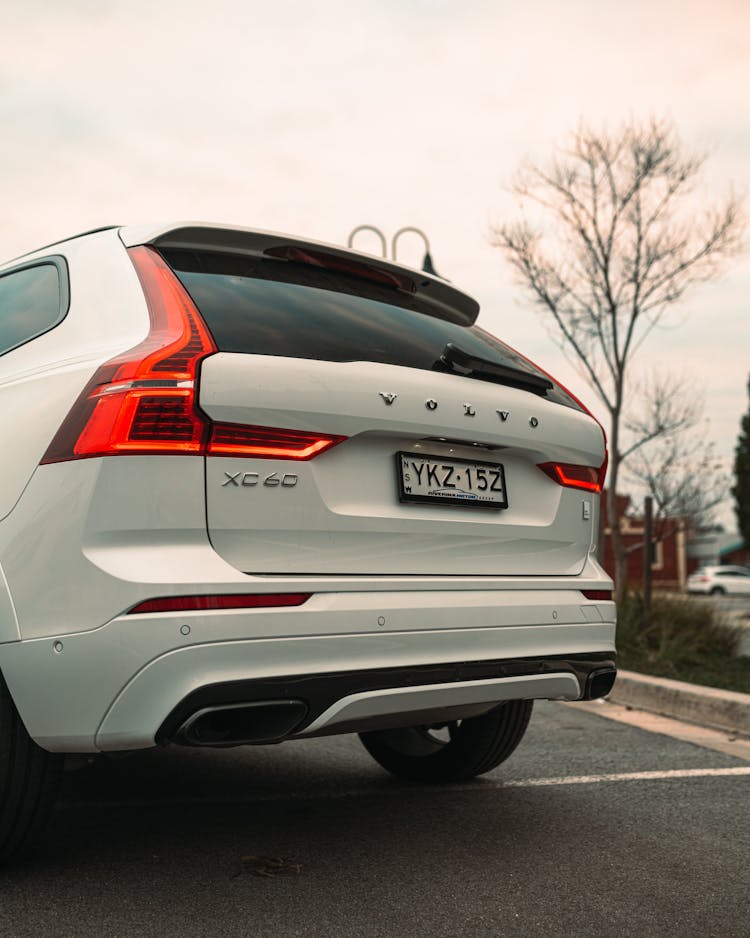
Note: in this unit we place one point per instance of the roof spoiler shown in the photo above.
(446, 301)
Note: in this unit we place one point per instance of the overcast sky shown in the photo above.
(313, 118)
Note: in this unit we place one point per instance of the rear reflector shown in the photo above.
(226, 601)
(603, 595)
(588, 478)
(234, 439)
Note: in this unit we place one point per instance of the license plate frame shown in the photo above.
(407, 494)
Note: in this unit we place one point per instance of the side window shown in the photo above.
(32, 301)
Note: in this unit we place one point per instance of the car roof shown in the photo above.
(453, 304)
(52, 244)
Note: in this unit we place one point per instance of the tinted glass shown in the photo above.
(29, 304)
(267, 307)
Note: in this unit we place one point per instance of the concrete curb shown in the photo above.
(719, 709)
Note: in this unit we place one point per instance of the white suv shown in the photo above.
(256, 488)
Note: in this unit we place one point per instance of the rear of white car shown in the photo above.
(262, 489)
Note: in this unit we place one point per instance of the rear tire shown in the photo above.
(718, 591)
(29, 779)
(475, 746)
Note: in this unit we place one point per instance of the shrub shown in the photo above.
(678, 628)
(684, 639)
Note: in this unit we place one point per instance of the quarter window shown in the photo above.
(30, 304)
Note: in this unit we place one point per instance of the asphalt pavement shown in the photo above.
(593, 827)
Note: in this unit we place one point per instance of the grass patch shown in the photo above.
(684, 640)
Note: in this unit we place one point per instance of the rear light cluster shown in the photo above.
(229, 439)
(588, 478)
(575, 477)
(144, 401)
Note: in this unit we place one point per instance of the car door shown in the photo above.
(739, 582)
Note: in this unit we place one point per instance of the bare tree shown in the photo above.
(672, 461)
(617, 239)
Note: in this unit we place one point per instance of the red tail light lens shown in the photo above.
(587, 478)
(602, 471)
(226, 601)
(233, 439)
(143, 401)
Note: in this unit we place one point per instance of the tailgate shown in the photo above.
(342, 513)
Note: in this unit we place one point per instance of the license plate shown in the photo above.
(455, 482)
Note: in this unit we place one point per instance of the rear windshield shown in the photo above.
(270, 307)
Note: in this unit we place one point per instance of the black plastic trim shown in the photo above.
(320, 691)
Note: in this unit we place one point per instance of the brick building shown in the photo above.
(671, 564)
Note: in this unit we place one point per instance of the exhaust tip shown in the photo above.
(600, 683)
(261, 721)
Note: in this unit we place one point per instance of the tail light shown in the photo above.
(145, 400)
(232, 439)
(588, 478)
(602, 470)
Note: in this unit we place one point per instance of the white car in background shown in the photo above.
(256, 488)
(719, 580)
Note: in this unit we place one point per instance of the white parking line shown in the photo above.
(626, 777)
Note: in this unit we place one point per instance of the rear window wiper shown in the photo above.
(458, 361)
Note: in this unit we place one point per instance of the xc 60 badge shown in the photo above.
(288, 480)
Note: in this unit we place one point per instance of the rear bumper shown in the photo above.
(115, 687)
(264, 711)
